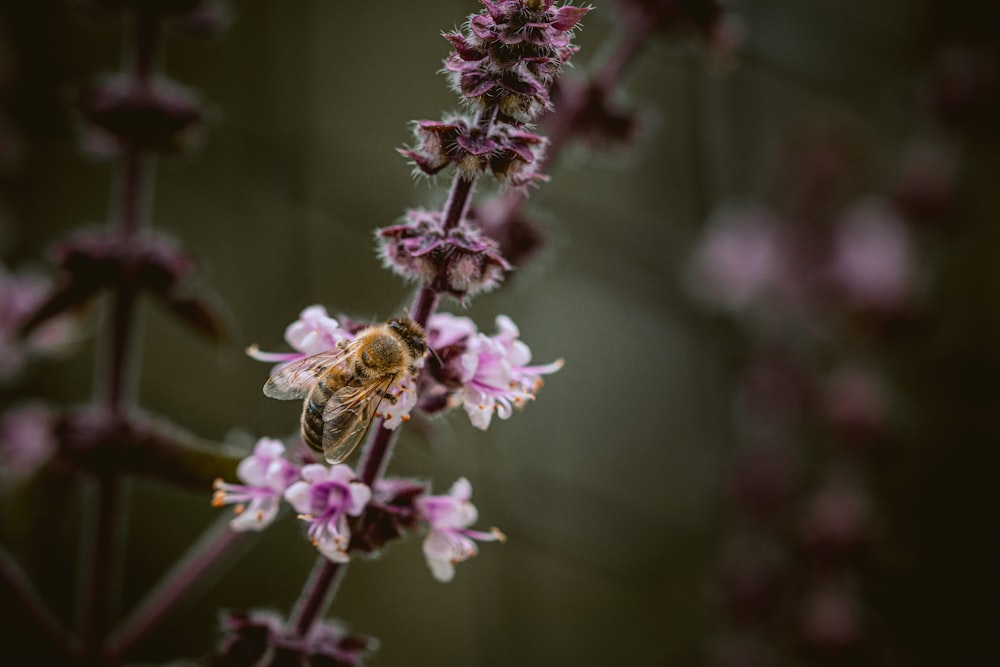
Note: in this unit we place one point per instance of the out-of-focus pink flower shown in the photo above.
(450, 541)
(741, 259)
(831, 617)
(854, 400)
(873, 262)
(837, 517)
(267, 474)
(325, 497)
(21, 294)
(26, 439)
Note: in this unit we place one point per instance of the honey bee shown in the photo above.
(343, 387)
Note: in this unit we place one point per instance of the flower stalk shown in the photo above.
(205, 556)
(121, 372)
(504, 65)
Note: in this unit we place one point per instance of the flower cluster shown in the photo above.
(509, 54)
(450, 540)
(266, 475)
(752, 260)
(461, 261)
(323, 496)
(344, 513)
(486, 375)
(508, 152)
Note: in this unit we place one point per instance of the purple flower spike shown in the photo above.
(510, 52)
(450, 541)
(267, 475)
(509, 153)
(461, 262)
(325, 497)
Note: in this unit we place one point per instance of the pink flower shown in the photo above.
(267, 474)
(495, 374)
(450, 540)
(21, 294)
(406, 398)
(873, 257)
(741, 260)
(325, 497)
(314, 332)
(26, 439)
(445, 330)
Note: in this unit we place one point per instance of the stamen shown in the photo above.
(239, 509)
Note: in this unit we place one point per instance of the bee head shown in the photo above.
(412, 335)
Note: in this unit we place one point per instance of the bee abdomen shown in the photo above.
(312, 417)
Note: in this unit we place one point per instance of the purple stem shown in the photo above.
(19, 586)
(97, 587)
(317, 594)
(199, 560)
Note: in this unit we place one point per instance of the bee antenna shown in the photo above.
(434, 352)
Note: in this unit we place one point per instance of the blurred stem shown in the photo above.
(98, 583)
(201, 558)
(120, 373)
(16, 584)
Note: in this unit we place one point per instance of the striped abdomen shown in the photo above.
(312, 412)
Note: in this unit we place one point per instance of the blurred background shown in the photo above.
(695, 486)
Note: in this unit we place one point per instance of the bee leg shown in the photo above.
(392, 398)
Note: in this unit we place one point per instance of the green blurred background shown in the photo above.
(612, 487)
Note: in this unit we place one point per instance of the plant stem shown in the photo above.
(100, 571)
(202, 557)
(19, 586)
(120, 372)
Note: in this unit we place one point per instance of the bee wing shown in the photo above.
(294, 380)
(348, 416)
